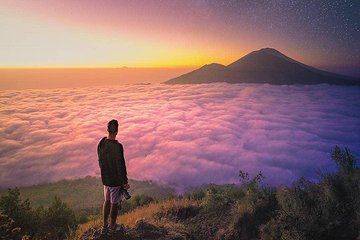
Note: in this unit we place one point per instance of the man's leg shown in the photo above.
(114, 212)
(115, 201)
(106, 212)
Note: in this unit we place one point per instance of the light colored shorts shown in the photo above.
(113, 194)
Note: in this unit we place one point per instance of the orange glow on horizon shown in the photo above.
(48, 37)
(40, 78)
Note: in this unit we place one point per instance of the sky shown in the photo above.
(54, 55)
(45, 78)
(149, 33)
(179, 135)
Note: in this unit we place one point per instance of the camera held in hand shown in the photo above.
(126, 194)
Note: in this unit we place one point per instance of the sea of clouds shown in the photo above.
(182, 135)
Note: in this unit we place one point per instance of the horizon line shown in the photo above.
(97, 67)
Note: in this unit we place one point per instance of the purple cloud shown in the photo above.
(179, 135)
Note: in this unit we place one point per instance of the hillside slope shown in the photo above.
(208, 216)
(85, 193)
(328, 209)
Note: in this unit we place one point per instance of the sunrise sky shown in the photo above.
(67, 67)
(175, 33)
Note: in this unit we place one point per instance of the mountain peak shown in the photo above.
(213, 65)
(269, 50)
(274, 52)
(260, 59)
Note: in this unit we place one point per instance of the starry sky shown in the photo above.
(148, 33)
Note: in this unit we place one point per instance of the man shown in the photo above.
(113, 176)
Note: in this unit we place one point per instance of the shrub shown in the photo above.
(215, 199)
(197, 194)
(58, 220)
(19, 211)
(19, 218)
(325, 210)
(255, 207)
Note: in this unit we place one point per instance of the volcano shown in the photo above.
(266, 65)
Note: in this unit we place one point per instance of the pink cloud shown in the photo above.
(184, 136)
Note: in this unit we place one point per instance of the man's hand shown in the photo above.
(126, 186)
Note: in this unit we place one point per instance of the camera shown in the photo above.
(126, 194)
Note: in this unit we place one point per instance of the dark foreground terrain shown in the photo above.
(327, 209)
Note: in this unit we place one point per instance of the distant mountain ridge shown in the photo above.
(266, 65)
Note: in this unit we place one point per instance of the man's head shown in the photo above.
(112, 127)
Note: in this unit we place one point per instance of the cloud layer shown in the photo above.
(179, 135)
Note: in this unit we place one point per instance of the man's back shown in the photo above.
(112, 162)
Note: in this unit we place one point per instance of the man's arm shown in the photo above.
(99, 151)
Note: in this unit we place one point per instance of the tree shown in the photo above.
(57, 220)
(18, 219)
(19, 211)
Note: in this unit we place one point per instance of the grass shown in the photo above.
(154, 211)
(160, 214)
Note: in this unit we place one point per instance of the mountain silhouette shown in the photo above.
(266, 65)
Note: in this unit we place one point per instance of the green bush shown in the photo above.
(57, 220)
(254, 206)
(18, 210)
(325, 210)
(20, 218)
(197, 194)
(217, 198)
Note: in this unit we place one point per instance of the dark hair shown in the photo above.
(112, 126)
